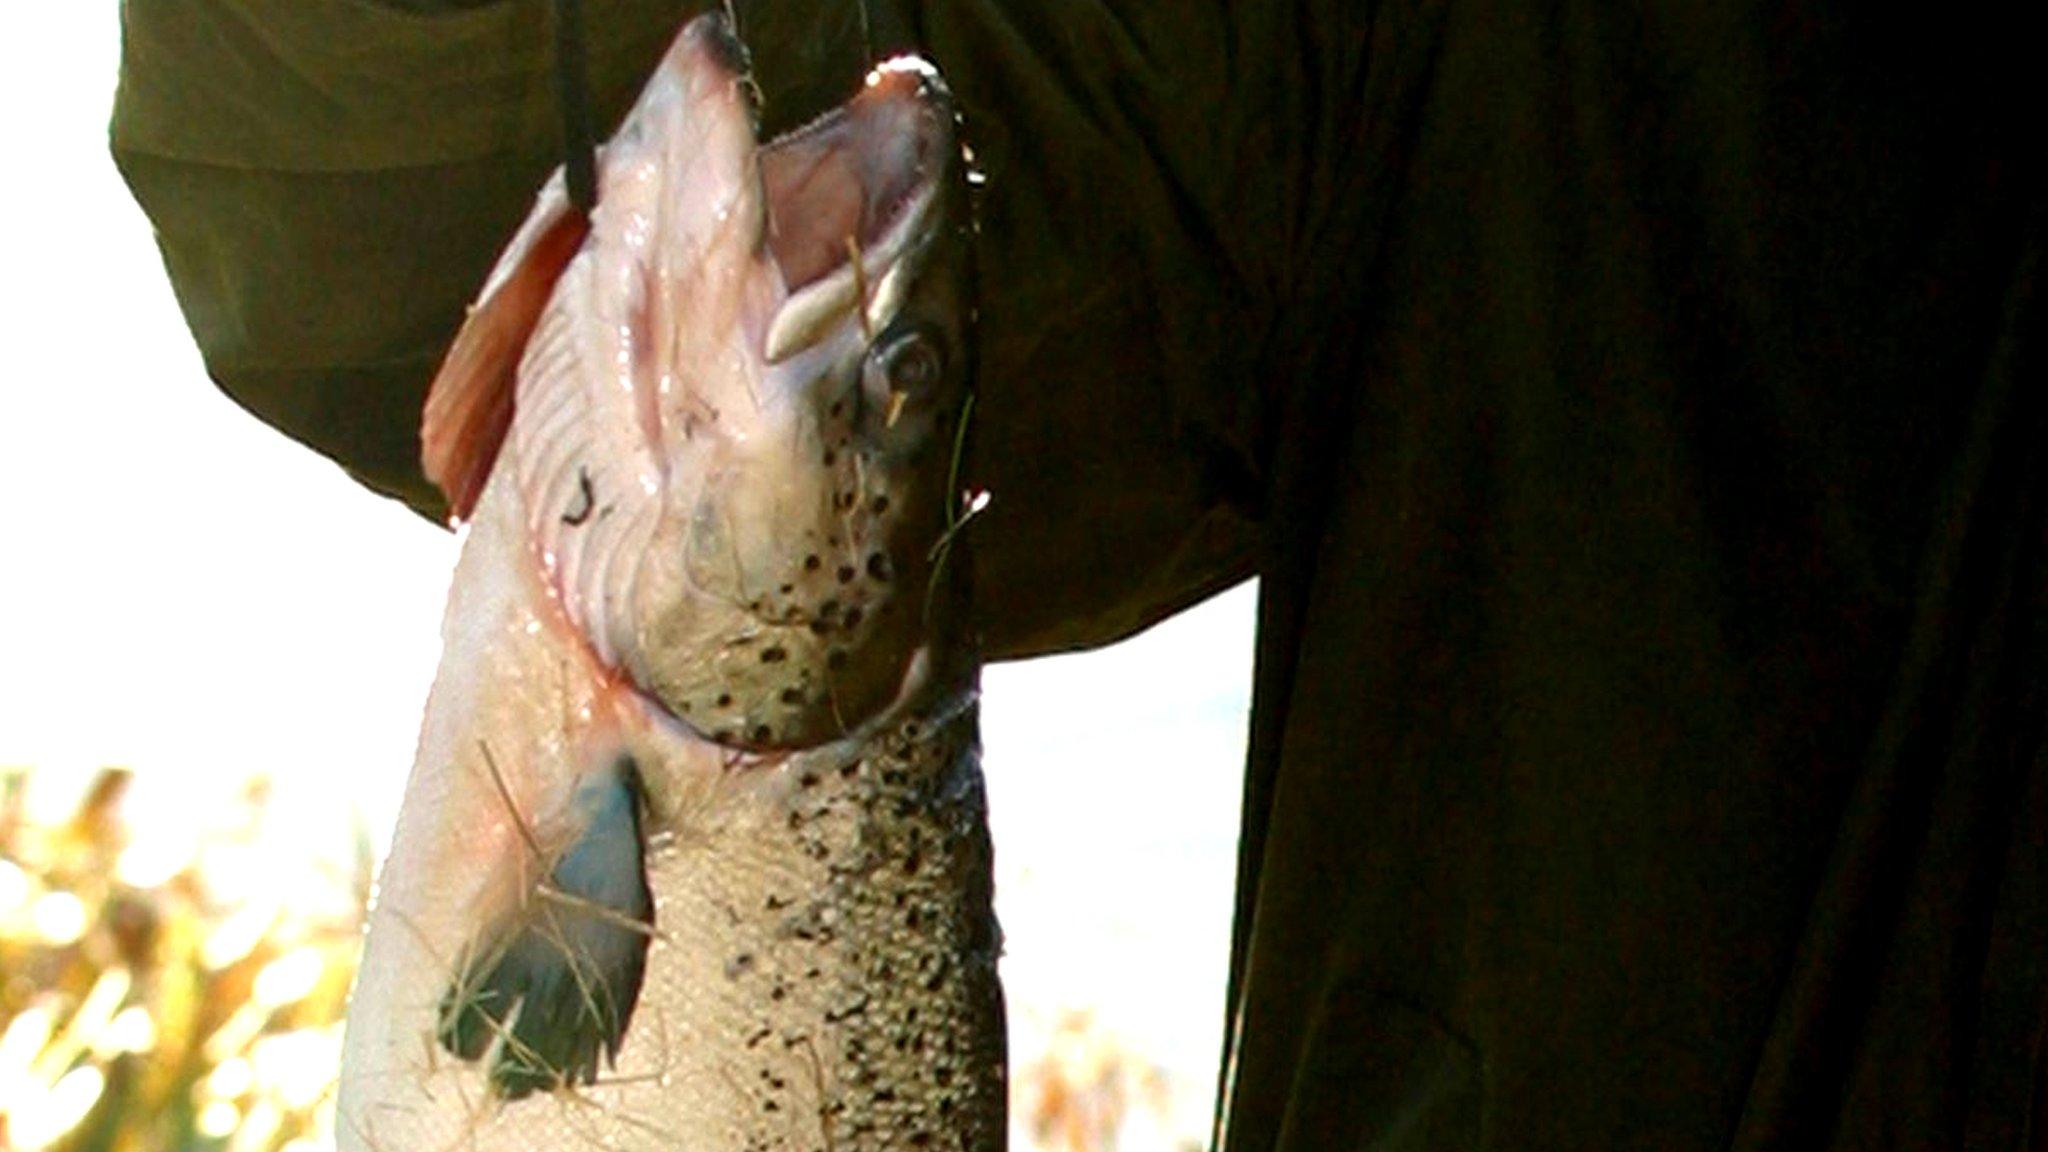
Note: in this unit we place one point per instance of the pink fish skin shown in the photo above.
(694, 850)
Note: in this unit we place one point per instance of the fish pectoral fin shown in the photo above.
(469, 404)
(541, 995)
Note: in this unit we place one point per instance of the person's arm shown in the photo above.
(330, 182)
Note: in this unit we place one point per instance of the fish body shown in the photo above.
(694, 851)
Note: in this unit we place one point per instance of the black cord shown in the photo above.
(572, 97)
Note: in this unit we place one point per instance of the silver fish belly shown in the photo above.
(694, 852)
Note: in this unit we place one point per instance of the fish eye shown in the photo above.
(908, 363)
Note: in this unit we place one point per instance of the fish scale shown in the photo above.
(868, 1014)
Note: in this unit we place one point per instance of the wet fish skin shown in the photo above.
(820, 970)
(862, 982)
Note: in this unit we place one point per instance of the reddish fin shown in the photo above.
(469, 405)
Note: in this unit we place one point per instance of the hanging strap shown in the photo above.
(572, 97)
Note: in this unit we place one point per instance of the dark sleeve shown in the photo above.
(330, 181)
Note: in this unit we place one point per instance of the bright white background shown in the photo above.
(186, 593)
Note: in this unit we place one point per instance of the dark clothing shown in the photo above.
(1636, 420)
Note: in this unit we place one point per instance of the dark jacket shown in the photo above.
(1635, 413)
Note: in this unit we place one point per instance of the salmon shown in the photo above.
(694, 852)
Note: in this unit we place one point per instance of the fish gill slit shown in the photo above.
(626, 551)
(549, 441)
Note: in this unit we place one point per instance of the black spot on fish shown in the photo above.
(853, 618)
(878, 567)
(812, 563)
(774, 655)
(846, 573)
(725, 699)
(880, 505)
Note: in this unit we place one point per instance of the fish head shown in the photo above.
(779, 358)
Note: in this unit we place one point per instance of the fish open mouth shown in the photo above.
(848, 196)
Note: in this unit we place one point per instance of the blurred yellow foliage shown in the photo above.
(167, 993)
(1087, 1090)
(181, 989)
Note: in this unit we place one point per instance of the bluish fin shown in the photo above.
(544, 994)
